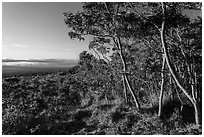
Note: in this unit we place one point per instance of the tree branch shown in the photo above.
(106, 7)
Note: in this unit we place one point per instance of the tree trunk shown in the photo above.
(173, 72)
(125, 75)
(162, 88)
(125, 88)
(181, 108)
(132, 93)
(198, 113)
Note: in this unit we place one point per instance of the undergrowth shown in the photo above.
(56, 105)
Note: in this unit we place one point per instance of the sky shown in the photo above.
(37, 31)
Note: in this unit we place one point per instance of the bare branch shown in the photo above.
(106, 7)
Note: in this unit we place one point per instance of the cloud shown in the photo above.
(20, 46)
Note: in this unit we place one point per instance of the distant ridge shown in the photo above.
(40, 60)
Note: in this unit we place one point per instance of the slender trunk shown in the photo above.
(125, 88)
(173, 73)
(162, 88)
(181, 108)
(195, 84)
(171, 88)
(132, 93)
(198, 113)
(125, 75)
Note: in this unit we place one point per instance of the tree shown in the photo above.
(162, 19)
(173, 71)
(103, 21)
(160, 26)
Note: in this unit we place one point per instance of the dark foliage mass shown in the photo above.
(144, 77)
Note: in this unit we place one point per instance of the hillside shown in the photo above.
(67, 103)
